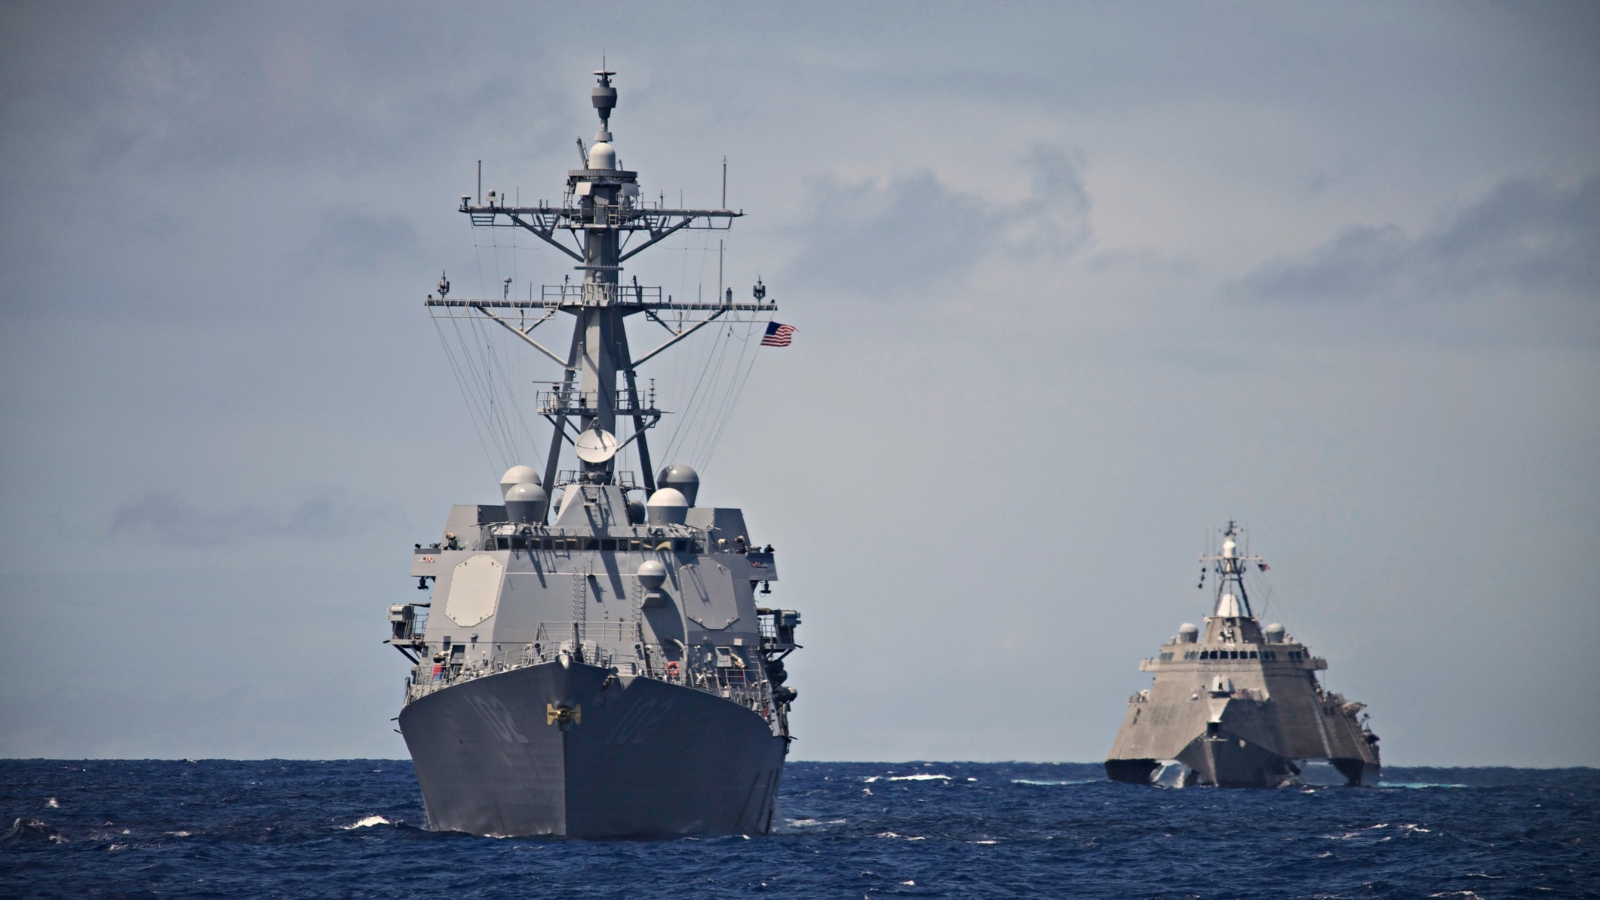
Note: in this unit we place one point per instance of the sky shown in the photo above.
(1074, 285)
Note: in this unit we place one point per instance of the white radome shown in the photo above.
(517, 475)
(602, 156)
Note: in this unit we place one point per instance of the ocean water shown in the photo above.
(355, 828)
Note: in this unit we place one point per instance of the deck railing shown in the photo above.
(619, 646)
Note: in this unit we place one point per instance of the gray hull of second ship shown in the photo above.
(642, 757)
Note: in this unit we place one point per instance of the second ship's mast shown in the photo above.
(1231, 598)
(601, 211)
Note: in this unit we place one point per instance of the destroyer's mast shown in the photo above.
(600, 205)
(1232, 601)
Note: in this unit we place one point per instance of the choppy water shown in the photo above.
(354, 828)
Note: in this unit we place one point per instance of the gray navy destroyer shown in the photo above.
(1236, 705)
(597, 665)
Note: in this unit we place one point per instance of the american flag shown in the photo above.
(778, 335)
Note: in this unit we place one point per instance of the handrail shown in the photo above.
(603, 644)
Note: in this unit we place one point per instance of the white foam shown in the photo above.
(809, 823)
(919, 777)
(1049, 783)
(368, 822)
(52, 804)
(986, 842)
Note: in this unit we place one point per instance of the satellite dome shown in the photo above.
(1230, 548)
(652, 574)
(1188, 632)
(682, 478)
(526, 503)
(602, 156)
(667, 506)
(636, 511)
(1274, 633)
(517, 475)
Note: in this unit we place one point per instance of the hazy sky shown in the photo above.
(1074, 285)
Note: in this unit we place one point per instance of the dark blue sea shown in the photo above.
(355, 828)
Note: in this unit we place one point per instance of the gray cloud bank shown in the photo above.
(894, 237)
(167, 517)
(1524, 236)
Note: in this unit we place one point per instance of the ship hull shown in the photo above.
(636, 757)
(1229, 761)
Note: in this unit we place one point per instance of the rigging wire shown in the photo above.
(483, 389)
(709, 401)
(478, 360)
(512, 393)
(729, 417)
(462, 386)
(489, 382)
(689, 407)
(730, 398)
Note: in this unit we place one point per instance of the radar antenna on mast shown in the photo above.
(1232, 599)
(601, 215)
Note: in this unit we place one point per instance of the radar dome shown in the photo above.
(652, 574)
(526, 503)
(1274, 633)
(1188, 632)
(517, 475)
(667, 507)
(683, 479)
(602, 156)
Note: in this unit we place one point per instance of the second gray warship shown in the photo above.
(1236, 705)
(597, 666)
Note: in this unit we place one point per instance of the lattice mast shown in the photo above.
(601, 213)
(1231, 599)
